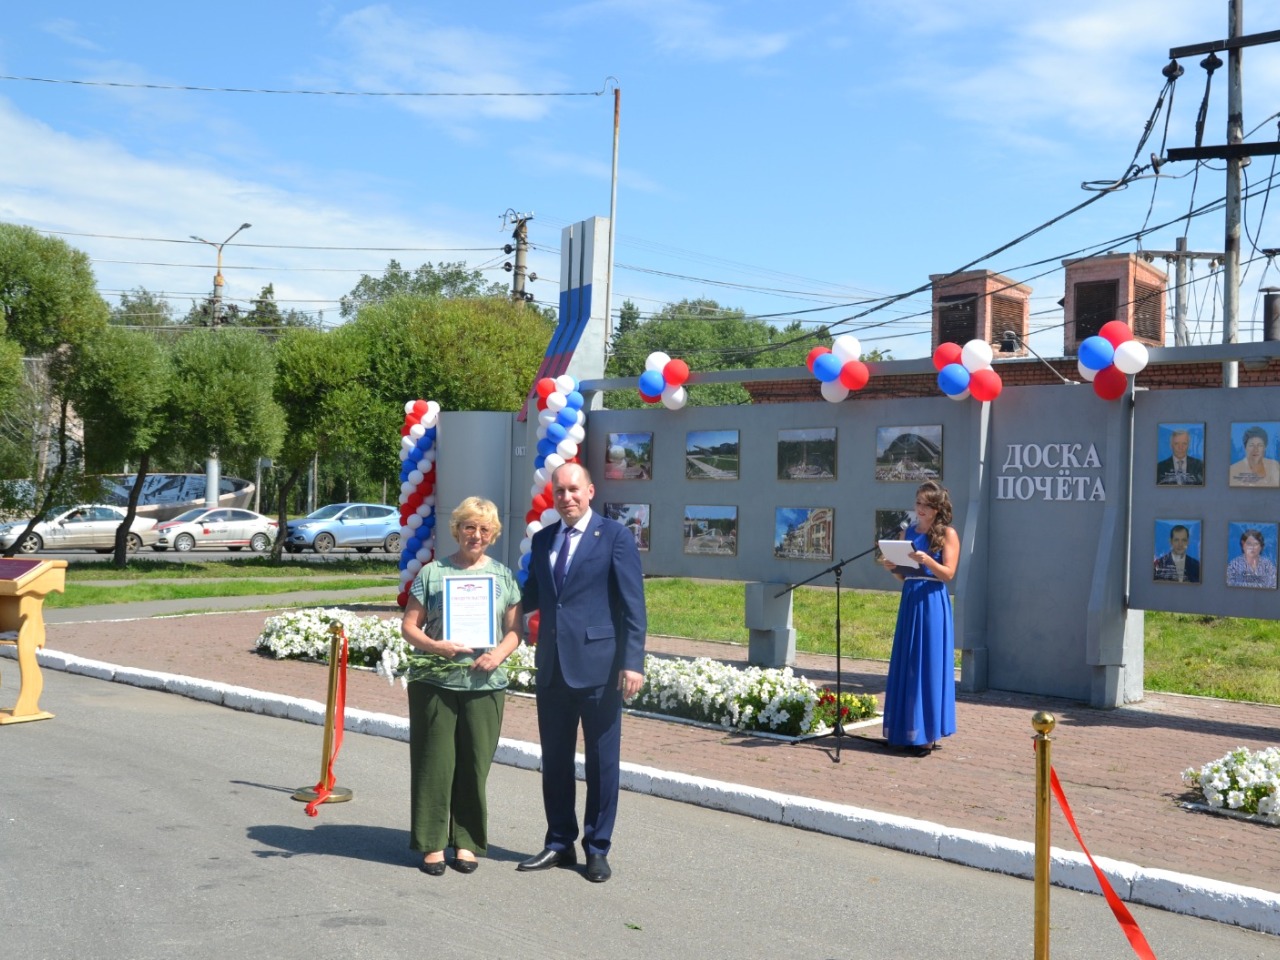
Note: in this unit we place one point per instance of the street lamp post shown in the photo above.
(217, 277)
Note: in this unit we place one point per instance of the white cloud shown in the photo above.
(562, 161)
(690, 28)
(68, 31)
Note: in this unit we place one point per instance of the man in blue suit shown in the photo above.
(586, 583)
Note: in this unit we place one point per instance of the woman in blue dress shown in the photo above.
(920, 696)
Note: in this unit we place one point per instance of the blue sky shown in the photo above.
(781, 157)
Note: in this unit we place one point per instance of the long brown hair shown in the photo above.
(935, 494)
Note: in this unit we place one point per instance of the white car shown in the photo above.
(87, 526)
(227, 527)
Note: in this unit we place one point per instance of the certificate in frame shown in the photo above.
(468, 611)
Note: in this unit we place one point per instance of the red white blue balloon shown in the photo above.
(1109, 357)
(966, 371)
(839, 368)
(417, 491)
(663, 381)
(561, 431)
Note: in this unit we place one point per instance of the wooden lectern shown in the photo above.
(23, 586)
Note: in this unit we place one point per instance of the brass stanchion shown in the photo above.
(1043, 723)
(334, 794)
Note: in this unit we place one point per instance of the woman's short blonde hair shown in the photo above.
(476, 510)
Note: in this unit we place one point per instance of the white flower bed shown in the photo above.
(1242, 781)
(706, 690)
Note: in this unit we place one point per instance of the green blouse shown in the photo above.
(456, 673)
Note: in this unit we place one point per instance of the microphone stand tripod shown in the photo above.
(836, 568)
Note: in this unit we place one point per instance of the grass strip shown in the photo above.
(80, 571)
(82, 595)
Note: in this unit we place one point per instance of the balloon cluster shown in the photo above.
(663, 380)
(1105, 359)
(839, 368)
(417, 491)
(966, 371)
(561, 430)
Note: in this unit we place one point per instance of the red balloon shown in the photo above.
(1110, 383)
(814, 354)
(946, 353)
(1115, 332)
(541, 502)
(985, 384)
(531, 634)
(419, 407)
(855, 375)
(404, 431)
(402, 600)
(531, 516)
(542, 404)
(545, 387)
(548, 491)
(648, 399)
(675, 373)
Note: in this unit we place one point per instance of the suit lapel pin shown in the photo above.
(597, 533)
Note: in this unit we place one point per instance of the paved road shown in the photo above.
(119, 843)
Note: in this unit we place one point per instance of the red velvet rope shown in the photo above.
(1130, 926)
(324, 789)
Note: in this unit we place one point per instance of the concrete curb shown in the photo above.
(1247, 907)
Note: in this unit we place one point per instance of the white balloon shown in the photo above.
(406, 532)
(433, 410)
(415, 477)
(425, 510)
(1131, 357)
(834, 391)
(414, 521)
(1086, 372)
(549, 515)
(976, 355)
(962, 395)
(407, 487)
(423, 555)
(430, 501)
(542, 430)
(414, 566)
(536, 489)
(566, 383)
(553, 462)
(567, 448)
(533, 527)
(428, 457)
(582, 416)
(430, 419)
(526, 545)
(404, 454)
(406, 443)
(408, 406)
(846, 348)
(540, 477)
(577, 434)
(656, 361)
(404, 497)
(417, 430)
(673, 398)
(556, 402)
(546, 416)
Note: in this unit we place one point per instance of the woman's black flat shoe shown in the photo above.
(465, 866)
(433, 869)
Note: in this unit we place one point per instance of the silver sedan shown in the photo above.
(88, 526)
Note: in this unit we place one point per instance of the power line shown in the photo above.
(276, 246)
(312, 93)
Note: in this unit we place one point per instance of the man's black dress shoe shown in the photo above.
(549, 858)
(598, 868)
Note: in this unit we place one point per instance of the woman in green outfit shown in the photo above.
(456, 696)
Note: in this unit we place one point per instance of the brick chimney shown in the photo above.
(1116, 286)
(979, 304)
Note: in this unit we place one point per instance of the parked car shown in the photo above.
(87, 526)
(217, 527)
(365, 526)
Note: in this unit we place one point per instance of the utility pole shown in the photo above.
(1179, 258)
(519, 273)
(218, 282)
(1236, 152)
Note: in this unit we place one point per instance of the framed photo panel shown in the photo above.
(633, 516)
(1251, 555)
(803, 533)
(629, 456)
(1177, 554)
(711, 455)
(1255, 455)
(711, 531)
(1180, 455)
(807, 454)
(909, 454)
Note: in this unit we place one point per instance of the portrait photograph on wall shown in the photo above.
(1180, 454)
(1255, 455)
(629, 456)
(893, 524)
(633, 516)
(1177, 556)
(909, 454)
(803, 533)
(711, 455)
(1251, 555)
(807, 454)
(711, 531)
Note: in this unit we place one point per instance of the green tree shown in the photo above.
(266, 313)
(447, 280)
(142, 308)
(122, 388)
(48, 296)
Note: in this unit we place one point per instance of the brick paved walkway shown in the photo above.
(1120, 768)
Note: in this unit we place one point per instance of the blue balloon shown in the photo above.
(546, 446)
(426, 442)
(429, 522)
(1096, 353)
(952, 379)
(827, 367)
(413, 545)
(539, 461)
(555, 432)
(573, 399)
(567, 417)
(524, 560)
(651, 383)
(404, 562)
(522, 576)
(430, 432)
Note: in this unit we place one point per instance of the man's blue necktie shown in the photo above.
(562, 559)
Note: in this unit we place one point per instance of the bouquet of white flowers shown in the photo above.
(1242, 781)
